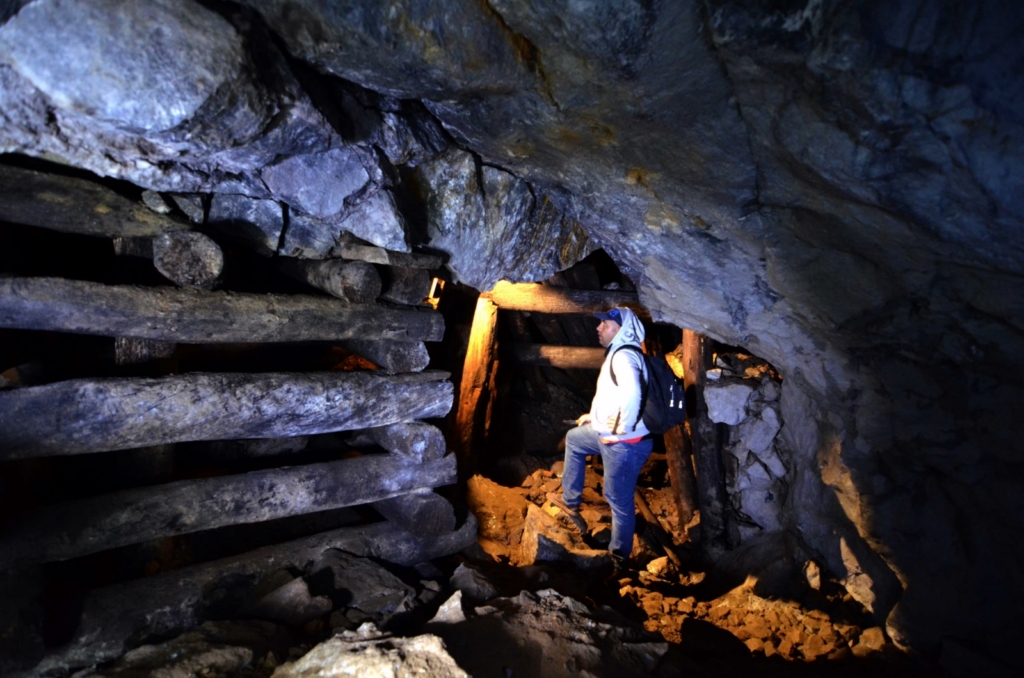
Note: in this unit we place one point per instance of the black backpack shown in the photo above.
(662, 397)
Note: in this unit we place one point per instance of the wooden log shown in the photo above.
(419, 512)
(548, 299)
(73, 205)
(116, 618)
(413, 439)
(78, 528)
(711, 496)
(354, 281)
(188, 259)
(197, 316)
(379, 255)
(394, 357)
(474, 392)
(564, 357)
(96, 415)
(408, 286)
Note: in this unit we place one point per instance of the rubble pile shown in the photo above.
(551, 635)
(518, 526)
(816, 619)
(769, 627)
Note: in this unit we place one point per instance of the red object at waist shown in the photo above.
(631, 440)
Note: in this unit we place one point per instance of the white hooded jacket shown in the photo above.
(615, 410)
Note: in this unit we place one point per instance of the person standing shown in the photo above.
(614, 429)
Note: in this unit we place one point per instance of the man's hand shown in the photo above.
(584, 419)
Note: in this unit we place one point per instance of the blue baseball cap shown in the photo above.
(610, 315)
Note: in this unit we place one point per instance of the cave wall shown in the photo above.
(833, 186)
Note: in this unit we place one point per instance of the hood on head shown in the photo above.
(631, 332)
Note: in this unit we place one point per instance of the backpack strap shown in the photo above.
(643, 381)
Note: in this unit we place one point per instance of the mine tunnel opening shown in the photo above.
(530, 371)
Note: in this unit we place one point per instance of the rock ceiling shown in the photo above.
(837, 187)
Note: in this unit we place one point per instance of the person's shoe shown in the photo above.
(573, 514)
(620, 569)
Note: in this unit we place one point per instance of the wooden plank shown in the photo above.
(405, 285)
(73, 205)
(95, 415)
(188, 259)
(564, 357)
(109, 521)
(547, 299)
(474, 393)
(354, 281)
(115, 617)
(414, 439)
(379, 255)
(199, 316)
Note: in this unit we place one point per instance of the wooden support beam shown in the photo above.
(73, 205)
(78, 528)
(408, 286)
(679, 447)
(474, 389)
(564, 357)
(115, 618)
(678, 454)
(197, 316)
(96, 415)
(711, 495)
(379, 255)
(419, 512)
(547, 299)
(354, 281)
(188, 259)
(394, 357)
(413, 439)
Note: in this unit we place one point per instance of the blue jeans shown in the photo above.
(622, 464)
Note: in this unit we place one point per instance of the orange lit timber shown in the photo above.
(434, 296)
(564, 357)
(475, 392)
(540, 298)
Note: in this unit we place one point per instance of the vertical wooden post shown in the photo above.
(708, 462)
(474, 390)
(678, 451)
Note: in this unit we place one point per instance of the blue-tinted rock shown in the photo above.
(317, 184)
(492, 225)
(257, 223)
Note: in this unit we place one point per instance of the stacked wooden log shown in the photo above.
(372, 308)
